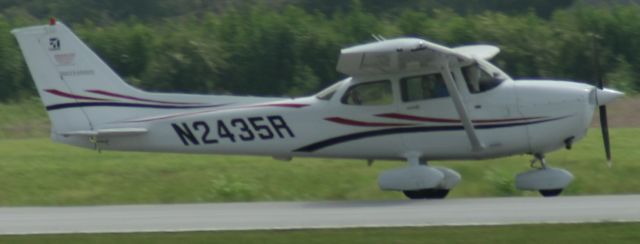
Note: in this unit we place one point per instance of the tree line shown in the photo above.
(292, 49)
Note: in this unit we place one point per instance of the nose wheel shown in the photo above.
(549, 181)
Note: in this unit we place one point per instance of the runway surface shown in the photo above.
(296, 215)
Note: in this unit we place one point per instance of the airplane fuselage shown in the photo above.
(529, 117)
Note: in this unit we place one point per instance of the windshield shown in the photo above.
(328, 92)
(369, 93)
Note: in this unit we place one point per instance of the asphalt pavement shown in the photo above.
(309, 215)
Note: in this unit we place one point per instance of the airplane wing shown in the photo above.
(485, 52)
(412, 54)
(406, 55)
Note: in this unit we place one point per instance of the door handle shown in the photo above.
(413, 107)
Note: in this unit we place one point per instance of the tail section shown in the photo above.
(62, 68)
(81, 93)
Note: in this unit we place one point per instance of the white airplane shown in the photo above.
(406, 99)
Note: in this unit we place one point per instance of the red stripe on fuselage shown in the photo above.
(362, 123)
(73, 96)
(111, 94)
(442, 120)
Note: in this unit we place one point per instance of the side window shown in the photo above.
(423, 87)
(370, 93)
(478, 80)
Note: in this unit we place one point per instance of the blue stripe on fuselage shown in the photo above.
(402, 130)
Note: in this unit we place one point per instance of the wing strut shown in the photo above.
(462, 111)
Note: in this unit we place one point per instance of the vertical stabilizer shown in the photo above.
(55, 59)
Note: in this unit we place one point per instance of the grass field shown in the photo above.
(39, 172)
(521, 234)
(23, 120)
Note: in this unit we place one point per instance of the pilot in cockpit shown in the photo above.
(479, 80)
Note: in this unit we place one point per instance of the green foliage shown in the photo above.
(126, 47)
(23, 120)
(232, 188)
(12, 70)
(622, 77)
(503, 182)
(290, 47)
(184, 61)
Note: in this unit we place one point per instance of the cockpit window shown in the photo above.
(423, 87)
(328, 93)
(478, 80)
(370, 93)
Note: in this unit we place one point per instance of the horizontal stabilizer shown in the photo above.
(107, 132)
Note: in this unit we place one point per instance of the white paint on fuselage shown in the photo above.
(555, 99)
(566, 101)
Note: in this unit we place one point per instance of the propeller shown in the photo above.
(602, 97)
(604, 126)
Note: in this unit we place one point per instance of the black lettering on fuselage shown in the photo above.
(205, 135)
(261, 128)
(247, 134)
(227, 131)
(278, 124)
(223, 132)
(185, 134)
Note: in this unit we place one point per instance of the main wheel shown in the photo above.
(427, 194)
(551, 193)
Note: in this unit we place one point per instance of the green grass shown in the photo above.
(39, 172)
(24, 119)
(521, 234)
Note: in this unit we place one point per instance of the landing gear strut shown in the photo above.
(538, 158)
(550, 182)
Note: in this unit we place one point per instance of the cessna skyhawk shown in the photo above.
(405, 99)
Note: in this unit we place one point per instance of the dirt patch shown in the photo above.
(622, 113)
